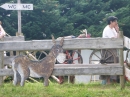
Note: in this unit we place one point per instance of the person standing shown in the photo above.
(111, 31)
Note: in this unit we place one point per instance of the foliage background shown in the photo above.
(66, 17)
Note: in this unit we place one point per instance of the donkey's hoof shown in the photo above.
(22, 84)
(46, 84)
(14, 83)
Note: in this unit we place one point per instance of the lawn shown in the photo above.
(64, 90)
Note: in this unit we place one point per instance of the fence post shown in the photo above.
(19, 34)
(121, 60)
(1, 65)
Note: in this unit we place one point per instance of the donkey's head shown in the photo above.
(57, 50)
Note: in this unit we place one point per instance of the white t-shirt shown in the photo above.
(109, 32)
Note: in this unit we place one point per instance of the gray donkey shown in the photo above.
(23, 67)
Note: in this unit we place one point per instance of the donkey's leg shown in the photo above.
(22, 80)
(15, 77)
(46, 81)
(15, 73)
(18, 77)
(24, 76)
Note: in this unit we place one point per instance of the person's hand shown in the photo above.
(117, 28)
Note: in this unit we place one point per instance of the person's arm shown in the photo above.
(117, 30)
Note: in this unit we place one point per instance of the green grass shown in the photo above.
(64, 90)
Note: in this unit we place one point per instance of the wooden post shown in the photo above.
(19, 23)
(79, 50)
(19, 18)
(1, 65)
(11, 53)
(121, 60)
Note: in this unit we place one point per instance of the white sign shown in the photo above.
(15, 6)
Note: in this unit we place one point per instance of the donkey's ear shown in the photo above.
(53, 39)
(61, 42)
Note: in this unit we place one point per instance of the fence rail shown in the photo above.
(76, 43)
(79, 69)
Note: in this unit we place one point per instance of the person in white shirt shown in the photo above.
(110, 31)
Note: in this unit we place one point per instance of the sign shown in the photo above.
(15, 6)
